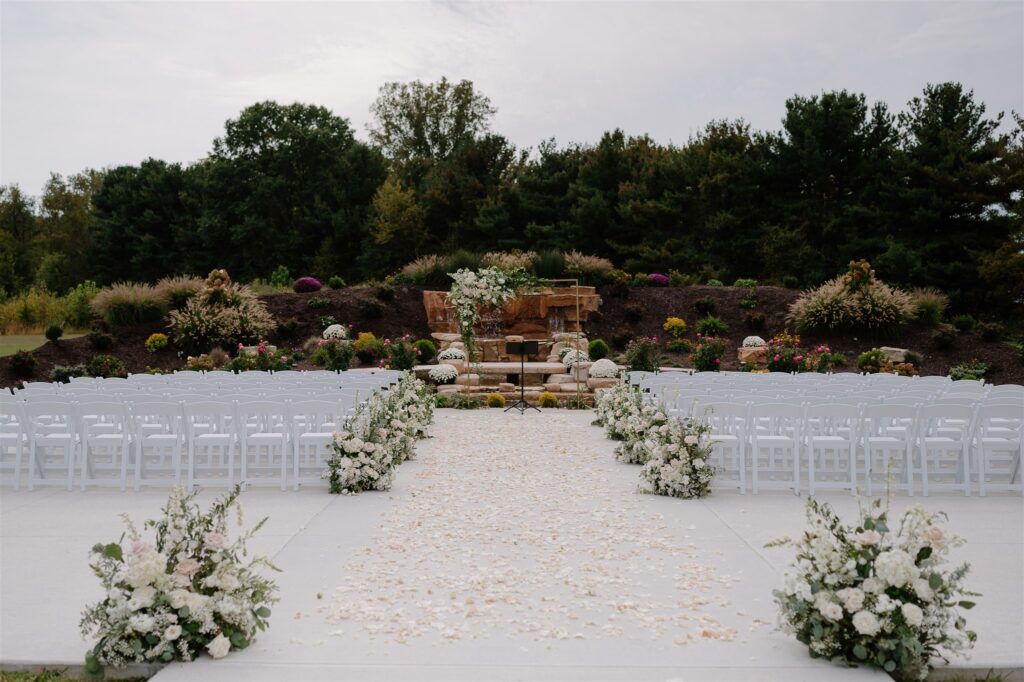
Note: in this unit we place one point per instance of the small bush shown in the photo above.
(460, 260)
(656, 279)
(325, 321)
(675, 327)
(749, 302)
(64, 373)
(871, 361)
(621, 337)
(745, 283)
(495, 400)
(712, 326)
(588, 269)
(79, 304)
(989, 331)
(371, 309)
(281, 277)
(286, 328)
(679, 279)
(432, 269)
(549, 264)
(633, 312)
(441, 400)
(332, 354)
(464, 402)
(178, 290)
(678, 346)
(913, 358)
(385, 293)
(872, 307)
(705, 306)
(944, 338)
(754, 321)
(156, 342)
(128, 304)
(336, 282)
(707, 354)
(618, 284)
(790, 282)
(975, 370)
(401, 354)
(54, 332)
(509, 260)
(642, 355)
(715, 283)
(963, 323)
(100, 341)
(306, 285)
(224, 314)
(929, 306)
(318, 302)
(547, 399)
(597, 349)
(369, 349)
(640, 280)
(106, 366)
(427, 350)
(23, 365)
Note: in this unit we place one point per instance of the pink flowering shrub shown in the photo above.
(656, 279)
(305, 285)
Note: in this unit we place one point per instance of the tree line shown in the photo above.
(931, 195)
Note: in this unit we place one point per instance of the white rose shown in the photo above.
(831, 611)
(219, 647)
(172, 633)
(873, 585)
(896, 567)
(934, 536)
(866, 623)
(912, 614)
(852, 598)
(178, 598)
(698, 463)
(867, 538)
(922, 589)
(690, 440)
(142, 598)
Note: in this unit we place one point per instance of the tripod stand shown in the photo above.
(522, 349)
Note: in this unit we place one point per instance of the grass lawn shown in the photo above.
(9, 345)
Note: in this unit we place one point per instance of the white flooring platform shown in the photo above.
(515, 547)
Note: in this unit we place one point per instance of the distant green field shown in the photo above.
(9, 345)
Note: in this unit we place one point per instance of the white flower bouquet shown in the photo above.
(185, 593)
(380, 435)
(866, 595)
(650, 423)
(754, 342)
(615, 407)
(572, 356)
(442, 374)
(452, 354)
(604, 369)
(484, 288)
(676, 459)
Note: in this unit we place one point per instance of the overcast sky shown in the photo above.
(94, 84)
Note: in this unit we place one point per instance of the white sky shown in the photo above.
(93, 84)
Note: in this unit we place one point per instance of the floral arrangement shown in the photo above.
(573, 356)
(442, 374)
(754, 342)
(336, 331)
(604, 369)
(380, 435)
(452, 354)
(866, 595)
(650, 423)
(305, 285)
(484, 288)
(707, 354)
(676, 459)
(615, 408)
(675, 327)
(185, 593)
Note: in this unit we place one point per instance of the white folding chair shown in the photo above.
(775, 428)
(51, 426)
(313, 425)
(105, 444)
(210, 436)
(889, 430)
(159, 435)
(944, 437)
(728, 422)
(263, 427)
(13, 437)
(1000, 435)
(831, 427)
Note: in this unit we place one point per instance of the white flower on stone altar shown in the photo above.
(452, 354)
(866, 623)
(573, 357)
(336, 331)
(754, 342)
(442, 374)
(604, 369)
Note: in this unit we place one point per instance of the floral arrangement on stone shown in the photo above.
(604, 369)
(380, 435)
(442, 374)
(676, 459)
(754, 342)
(186, 593)
(650, 423)
(615, 408)
(336, 332)
(484, 288)
(866, 595)
(573, 356)
(452, 354)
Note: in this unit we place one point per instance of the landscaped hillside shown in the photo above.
(392, 312)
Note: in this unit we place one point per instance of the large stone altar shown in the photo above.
(535, 315)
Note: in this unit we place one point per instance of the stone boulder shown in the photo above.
(894, 354)
(595, 383)
(756, 356)
(468, 379)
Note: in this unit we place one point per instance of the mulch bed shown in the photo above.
(405, 315)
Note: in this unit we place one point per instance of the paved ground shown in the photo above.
(514, 548)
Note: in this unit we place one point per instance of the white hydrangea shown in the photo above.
(913, 614)
(452, 354)
(754, 342)
(896, 567)
(866, 623)
(574, 356)
(604, 369)
(443, 374)
(336, 331)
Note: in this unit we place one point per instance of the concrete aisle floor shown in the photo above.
(533, 505)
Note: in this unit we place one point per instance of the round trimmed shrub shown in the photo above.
(23, 364)
(106, 366)
(547, 399)
(336, 282)
(963, 323)
(100, 341)
(427, 349)
(305, 285)
(495, 400)
(597, 349)
(156, 342)
(54, 332)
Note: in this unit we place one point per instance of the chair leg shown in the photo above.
(982, 456)
(853, 469)
(138, 464)
(965, 467)
(85, 466)
(810, 470)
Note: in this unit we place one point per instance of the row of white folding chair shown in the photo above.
(933, 428)
(106, 436)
